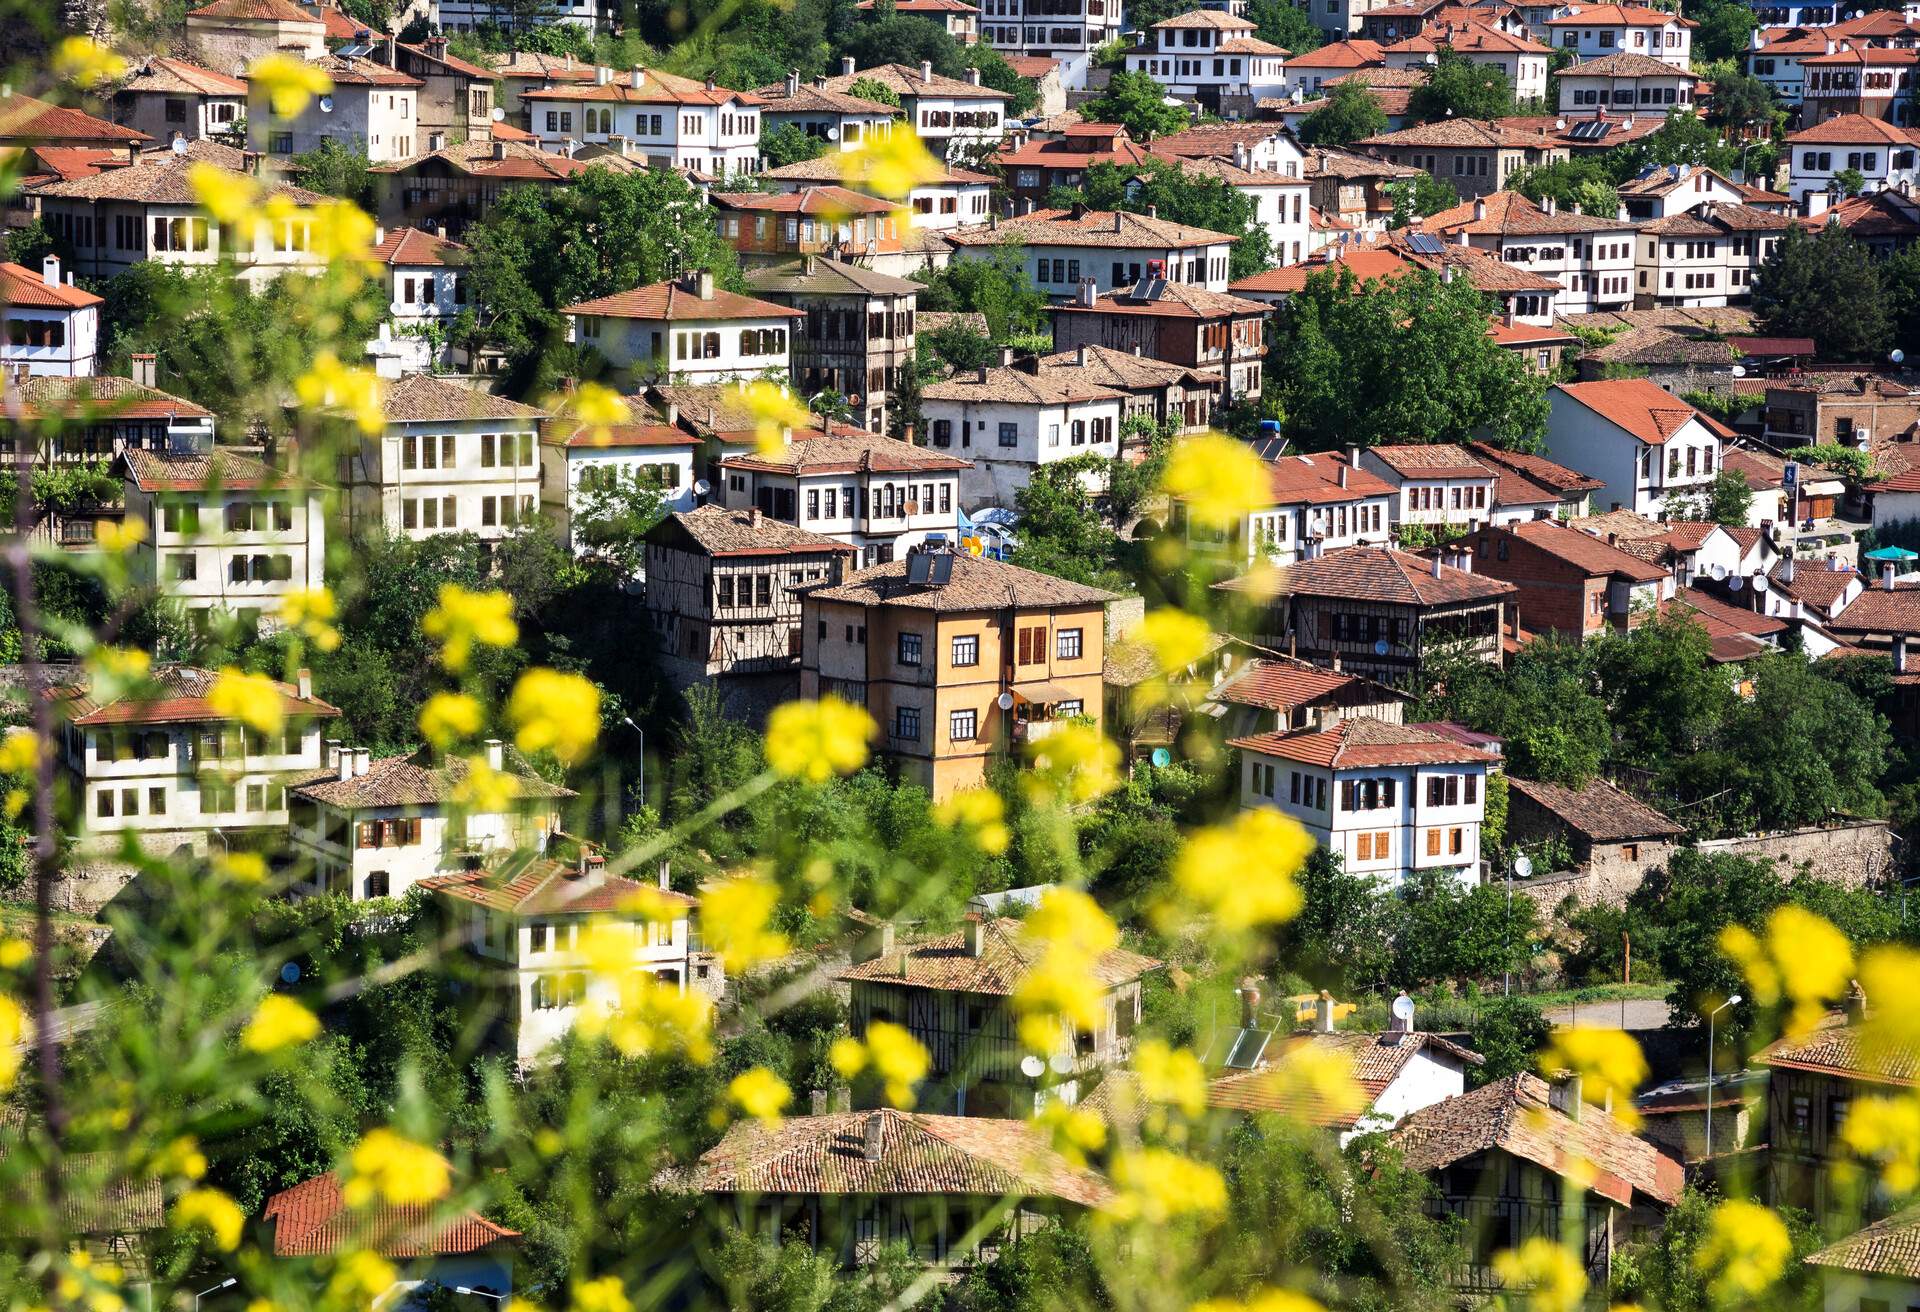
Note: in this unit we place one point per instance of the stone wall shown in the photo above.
(96, 874)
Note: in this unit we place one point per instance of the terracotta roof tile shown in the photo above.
(279, 11)
(1635, 405)
(20, 285)
(1584, 551)
(814, 453)
(808, 200)
(907, 80)
(1597, 811)
(1376, 574)
(1101, 228)
(1281, 684)
(1626, 63)
(411, 246)
(1888, 1247)
(1341, 54)
(220, 468)
(162, 75)
(44, 395)
(1363, 742)
(1877, 610)
(160, 179)
(547, 886)
(1373, 1060)
(1849, 1052)
(676, 302)
(1617, 16)
(1013, 385)
(312, 1219)
(27, 121)
(412, 780)
(173, 694)
(723, 532)
(943, 963)
(1430, 460)
(1461, 134)
(419, 398)
(1508, 213)
(1169, 300)
(1109, 367)
(1854, 130)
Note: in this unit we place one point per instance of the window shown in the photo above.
(1009, 435)
(962, 726)
(966, 650)
(1067, 645)
(1032, 645)
(909, 649)
(906, 723)
(156, 801)
(379, 884)
(1433, 842)
(1800, 1116)
(1456, 841)
(1363, 847)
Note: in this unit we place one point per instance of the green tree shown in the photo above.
(870, 88)
(1061, 531)
(1850, 181)
(1824, 286)
(1900, 293)
(1685, 138)
(32, 242)
(1343, 938)
(1173, 193)
(1434, 375)
(1350, 114)
(1453, 930)
(1665, 1267)
(1510, 1033)
(1724, 32)
(997, 287)
(789, 144)
(1726, 500)
(1285, 25)
(1740, 100)
(1419, 196)
(1139, 104)
(1555, 725)
(335, 170)
(1585, 182)
(1459, 88)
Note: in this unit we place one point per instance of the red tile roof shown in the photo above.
(1362, 742)
(1318, 480)
(26, 121)
(1877, 610)
(220, 468)
(175, 694)
(1888, 1247)
(412, 246)
(1584, 551)
(1848, 1051)
(1429, 460)
(1635, 405)
(675, 302)
(312, 1219)
(20, 285)
(549, 887)
(1341, 54)
(101, 396)
(1617, 16)
(807, 200)
(1373, 1060)
(1854, 130)
(1537, 470)
(1006, 955)
(1280, 684)
(1377, 574)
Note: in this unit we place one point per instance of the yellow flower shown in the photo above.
(288, 82)
(219, 1214)
(117, 668)
(463, 618)
(1075, 763)
(15, 953)
(1888, 973)
(342, 231)
(1061, 992)
(116, 539)
(1313, 1076)
(19, 751)
(448, 716)
(602, 1295)
(760, 1094)
(386, 1165)
(734, 914)
(359, 392)
(278, 1022)
(890, 163)
(310, 612)
(815, 740)
(1745, 1250)
(1804, 961)
(1607, 1062)
(594, 408)
(895, 1056)
(181, 1157)
(651, 1018)
(1075, 1131)
(85, 63)
(1553, 1279)
(1155, 1186)
(1886, 1131)
(1172, 1076)
(228, 196)
(1218, 478)
(1270, 1300)
(979, 812)
(1177, 638)
(482, 788)
(253, 699)
(1241, 873)
(775, 414)
(555, 712)
(242, 867)
(13, 1027)
(358, 1279)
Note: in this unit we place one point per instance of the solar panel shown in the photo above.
(1591, 130)
(1424, 243)
(942, 569)
(354, 51)
(918, 566)
(1248, 1045)
(1150, 289)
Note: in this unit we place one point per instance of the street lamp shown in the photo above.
(480, 1293)
(229, 1281)
(1710, 1018)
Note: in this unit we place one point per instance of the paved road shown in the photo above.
(1638, 1014)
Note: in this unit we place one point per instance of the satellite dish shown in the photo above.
(1403, 1008)
(1896, 355)
(290, 973)
(833, 134)
(1162, 758)
(326, 104)
(1760, 583)
(1380, 647)
(499, 115)
(1062, 1063)
(1004, 701)
(180, 148)
(1739, 371)
(1032, 1067)
(1522, 866)
(1736, 583)
(701, 487)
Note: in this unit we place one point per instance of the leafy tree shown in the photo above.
(1585, 182)
(1350, 114)
(1850, 181)
(1183, 197)
(31, 243)
(1343, 938)
(1726, 500)
(1138, 103)
(1510, 1033)
(1419, 196)
(1061, 531)
(1023, 93)
(906, 39)
(1900, 293)
(1724, 32)
(953, 347)
(1685, 138)
(997, 287)
(1665, 1266)
(1664, 695)
(1555, 726)
(335, 170)
(1823, 286)
(1740, 100)
(1459, 88)
(869, 88)
(1285, 25)
(789, 144)
(1421, 342)
(1451, 930)
(1039, 1273)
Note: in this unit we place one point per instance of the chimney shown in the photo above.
(1479, 210)
(1006, 357)
(1249, 995)
(637, 77)
(1564, 1095)
(976, 928)
(870, 1136)
(143, 368)
(1899, 653)
(842, 1098)
(817, 1102)
(440, 231)
(1855, 1004)
(1153, 211)
(1080, 355)
(711, 84)
(846, 66)
(499, 150)
(1353, 454)
(703, 285)
(983, 375)
(1323, 1012)
(1546, 204)
(602, 76)
(1239, 154)
(50, 270)
(1436, 564)
(926, 70)
(305, 684)
(1786, 570)
(362, 758)
(666, 875)
(342, 758)
(379, 235)
(876, 943)
(496, 754)
(973, 76)
(1345, 469)
(793, 82)
(1815, 203)
(1886, 577)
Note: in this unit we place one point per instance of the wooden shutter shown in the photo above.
(365, 838)
(1023, 645)
(1433, 842)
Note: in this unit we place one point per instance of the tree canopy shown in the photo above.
(1823, 286)
(1138, 103)
(1349, 115)
(1459, 88)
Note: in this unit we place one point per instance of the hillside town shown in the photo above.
(1036, 654)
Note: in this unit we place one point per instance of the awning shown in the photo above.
(1042, 693)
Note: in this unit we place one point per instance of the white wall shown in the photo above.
(640, 347)
(191, 557)
(382, 483)
(1042, 434)
(173, 775)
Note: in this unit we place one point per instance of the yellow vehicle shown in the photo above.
(1304, 1005)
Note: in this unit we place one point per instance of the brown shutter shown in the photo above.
(366, 833)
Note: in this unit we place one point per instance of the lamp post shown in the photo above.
(224, 1284)
(1710, 1019)
(480, 1293)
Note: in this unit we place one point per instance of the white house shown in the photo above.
(1282, 201)
(1212, 57)
(1664, 190)
(1049, 29)
(842, 120)
(947, 114)
(1591, 256)
(686, 331)
(576, 461)
(169, 97)
(1882, 154)
(877, 494)
(1627, 82)
(674, 122)
(526, 920)
(366, 828)
(1437, 484)
(1011, 419)
(1595, 31)
(1114, 248)
(372, 109)
(1707, 256)
(1644, 443)
(163, 765)
(429, 288)
(95, 418)
(1521, 61)
(1872, 1268)
(955, 198)
(450, 459)
(1314, 504)
(53, 327)
(1390, 800)
(225, 532)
